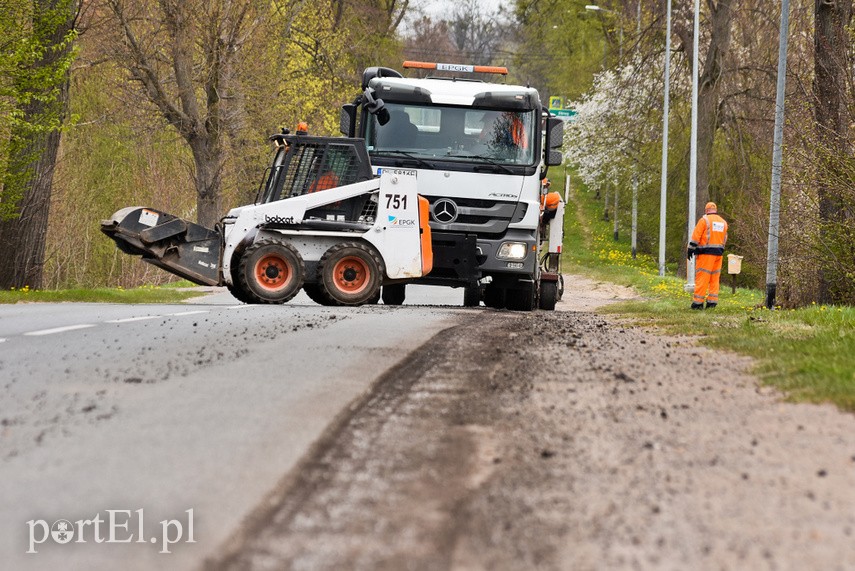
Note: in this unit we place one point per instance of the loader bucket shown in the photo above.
(180, 247)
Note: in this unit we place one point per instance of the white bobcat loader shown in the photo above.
(321, 222)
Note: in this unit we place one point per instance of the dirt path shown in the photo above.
(566, 441)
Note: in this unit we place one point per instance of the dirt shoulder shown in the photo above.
(566, 440)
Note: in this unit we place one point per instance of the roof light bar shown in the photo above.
(458, 67)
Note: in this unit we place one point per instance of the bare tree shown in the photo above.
(182, 56)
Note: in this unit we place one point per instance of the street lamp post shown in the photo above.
(693, 156)
(777, 159)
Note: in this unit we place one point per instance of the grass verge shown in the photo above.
(807, 352)
(170, 293)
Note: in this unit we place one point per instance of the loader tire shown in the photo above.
(351, 273)
(271, 271)
(239, 294)
(394, 294)
(318, 294)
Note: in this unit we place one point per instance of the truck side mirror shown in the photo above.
(554, 133)
(375, 106)
(347, 120)
(554, 158)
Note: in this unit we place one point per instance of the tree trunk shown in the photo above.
(830, 72)
(709, 97)
(208, 159)
(33, 151)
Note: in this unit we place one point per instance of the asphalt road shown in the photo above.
(154, 410)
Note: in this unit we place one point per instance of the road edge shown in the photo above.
(418, 359)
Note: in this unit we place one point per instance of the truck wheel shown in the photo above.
(471, 296)
(351, 273)
(560, 286)
(523, 298)
(494, 296)
(271, 271)
(318, 294)
(394, 294)
(548, 295)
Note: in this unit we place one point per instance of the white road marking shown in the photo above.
(187, 313)
(129, 319)
(2, 340)
(59, 329)
(235, 306)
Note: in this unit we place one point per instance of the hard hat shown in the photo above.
(710, 208)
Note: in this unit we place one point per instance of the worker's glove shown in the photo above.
(690, 252)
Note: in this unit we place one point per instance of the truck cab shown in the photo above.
(480, 151)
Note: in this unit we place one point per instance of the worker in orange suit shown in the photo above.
(707, 244)
(548, 203)
(326, 181)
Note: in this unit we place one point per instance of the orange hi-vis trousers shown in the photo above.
(707, 274)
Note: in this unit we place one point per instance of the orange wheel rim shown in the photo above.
(351, 274)
(272, 272)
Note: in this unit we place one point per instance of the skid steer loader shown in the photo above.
(321, 222)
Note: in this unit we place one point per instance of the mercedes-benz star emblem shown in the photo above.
(445, 211)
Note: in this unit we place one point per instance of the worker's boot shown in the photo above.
(711, 305)
(697, 305)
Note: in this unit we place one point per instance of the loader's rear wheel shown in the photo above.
(394, 294)
(351, 273)
(271, 271)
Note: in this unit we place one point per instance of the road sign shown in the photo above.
(563, 114)
(555, 102)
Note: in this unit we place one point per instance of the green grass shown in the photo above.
(807, 352)
(169, 293)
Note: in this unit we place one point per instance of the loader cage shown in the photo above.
(304, 164)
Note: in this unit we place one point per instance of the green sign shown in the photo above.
(565, 114)
(555, 102)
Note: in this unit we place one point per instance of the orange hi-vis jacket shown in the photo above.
(709, 238)
(710, 235)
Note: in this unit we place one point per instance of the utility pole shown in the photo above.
(663, 190)
(777, 160)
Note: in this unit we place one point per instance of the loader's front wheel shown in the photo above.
(351, 273)
(271, 272)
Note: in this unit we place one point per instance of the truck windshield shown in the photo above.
(462, 134)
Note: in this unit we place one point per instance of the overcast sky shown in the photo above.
(440, 8)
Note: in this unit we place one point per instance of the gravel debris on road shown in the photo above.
(565, 440)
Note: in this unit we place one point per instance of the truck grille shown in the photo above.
(475, 216)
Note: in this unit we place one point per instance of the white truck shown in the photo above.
(480, 151)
